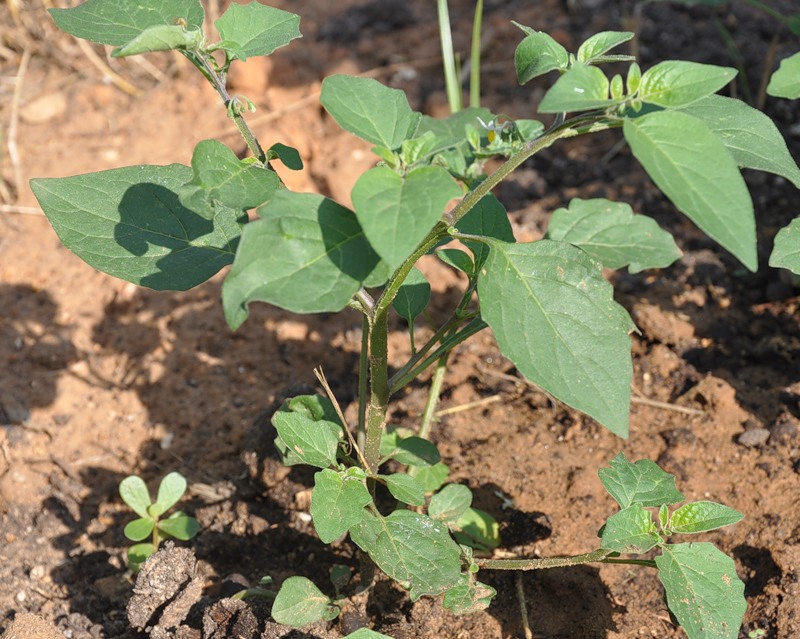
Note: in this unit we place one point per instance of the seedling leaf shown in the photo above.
(488, 218)
(643, 482)
(703, 590)
(450, 503)
(336, 504)
(700, 516)
(554, 316)
(785, 82)
(253, 29)
(170, 490)
(413, 296)
(469, 596)
(676, 83)
(299, 602)
(582, 88)
(134, 493)
(405, 488)
(631, 530)
(601, 43)
(181, 527)
(786, 252)
(138, 554)
(538, 54)
(366, 633)
(139, 529)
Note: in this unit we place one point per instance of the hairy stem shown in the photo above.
(433, 396)
(543, 562)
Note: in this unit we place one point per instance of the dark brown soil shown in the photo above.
(101, 379)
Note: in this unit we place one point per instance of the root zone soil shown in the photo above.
(101, 379)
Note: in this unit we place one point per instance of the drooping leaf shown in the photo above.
(691, 165)
(415, 451)
(449, 504)
(253, 29)
(676, 83)
(786, 252)
(642, 482)
(432, 478)
(170, 490)
(368, 109)
(554, 316)
(181, 527)
(611, 233)
(703, 591)
(631, 530)
(488, 218)
(134, 493)
(477, 529)
(413, 296)
(129, 223)
(785, 82)
(397, 212)
(161, 37)
(116, 23)
(582, 88)
(405, 488)
(470, 595)
(314, 440)
(595, 48)
(299, 602)
(306, 254)
(336, 504)
(457, 259)
(139, 529)
(700, 516)
(538, 54)
(288, 155)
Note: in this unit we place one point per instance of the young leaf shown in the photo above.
(631, 530)
(750, 136)
(306, 254)
(538, 54)
(413, 296)
(468, 596)
(288, 155)
(554, 316)
(676, 83)
(786, 252)
(458, 259)
(785, 82)
(488, 218)
(432, 478)
(416, 451)
(643, 482)
(134, 493)
(369, 110)
(691, 165)
(313, 441)
(366, 633)
(700, 516)
(397, 212)
(161, 37)
(181, 527)
(450, 503)
(299, 602)
(595, 47)
(314, 407)
(138, 554)
(703, 590)
(449, 132)
(253, 29)
(116, 23)
(139, 529)
(405, 488)
(129, 223)
(478, 529)
(336, 504)
(582, 88)
(611, 233)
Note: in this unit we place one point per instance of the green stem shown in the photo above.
(543, 562)
(363, 382)
(475, 58)
(452, 83)
(433, 396)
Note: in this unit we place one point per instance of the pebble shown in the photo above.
(754, 438)
(44, 108)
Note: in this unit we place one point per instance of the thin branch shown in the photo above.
(666, 406)
(523, 609)
(469, 406)
(322, 380)
(106, 70)
(13, 151)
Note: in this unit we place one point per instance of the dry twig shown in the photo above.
(13, 151)
(106, 70)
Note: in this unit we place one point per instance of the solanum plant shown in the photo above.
(547, 302)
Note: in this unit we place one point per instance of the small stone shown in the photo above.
(30, 626)
(754, 438)
(44, 109)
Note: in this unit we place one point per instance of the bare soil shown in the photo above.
(100, 379)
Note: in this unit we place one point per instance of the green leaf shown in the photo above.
(601, 43)
(415, 451)
(405, 488)
(458, 259)
(582, 88)
(611, 233)
(221, 177)
(750, 136)
(431, 478)
(138, 554)
(488, 218)
(700, 516)
(181, 527)
(450, 131)
(450, 503)
(116, 23)
(312, 440)
(161, 37)
(170, 490)
(336, 504)
(786, 252)
(643, 482)
(288, 155)
(412, 549)
(129, 223)
(253, 29)
(368, 109)
(469, 596)
(676, 83)
(703, 590)
(398, 212)
(134, 493)
(785, 82)
(631, 530)
(691, 165)
(554, 316)
(478, 529)
(538, 54)
(366, 633)
(139, 529)
(299, 602)
(306, 254)
(413, 296)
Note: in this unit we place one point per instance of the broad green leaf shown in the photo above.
(170, 490)
(450, 131)
(643, 483)
(700, 516)
(134, 493)
(786, 252)
(477, 529)
(449, 504)
(219, 176)
(412, 549)
(161, 37)
(129, 223)
(366, 633)
(253, 29)
(785, 82)
(314, 407)
(750, 136)
(138, 554)
(182, 527)
(611, 233)
(631, 530)
(306, 254)
(405, 488)
(676, 83)
(368, 109)
(416, 451)
(336, 504)
(538, 54)
(139, 529)
(703, 591)
(432, 478)
(582, 88)
(488, 218)
(288, 155)
(413, 296)
(470, 595)
(554, 316)
(691, 165)
(299, 602)
(398, 212)
(365, 533)
(312, 440)
(116, 23)
(458, 259)
(600, 43)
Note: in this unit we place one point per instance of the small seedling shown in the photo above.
(756, 634)
(151, 522)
